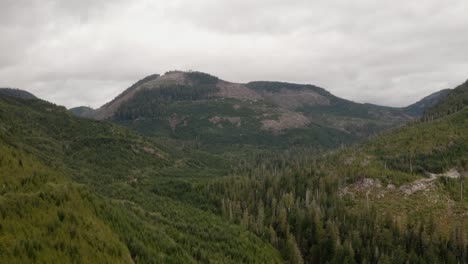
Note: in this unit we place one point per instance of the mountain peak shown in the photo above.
(17, 93)
(189, 77)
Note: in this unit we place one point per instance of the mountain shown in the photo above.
(417, 109)
(17, 93)
(82, 190)
(455, 101)
(198, 106)
(83, 111)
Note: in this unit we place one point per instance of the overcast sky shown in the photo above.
(85, 52)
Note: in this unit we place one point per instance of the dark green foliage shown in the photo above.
(44, 217)
(298, 208)
(427, 146)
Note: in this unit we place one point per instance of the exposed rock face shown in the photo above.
(367, 183)
(175, 120)
(416, 186)
(233, 120)
(236, 91)
(425, 184)
(286, 120)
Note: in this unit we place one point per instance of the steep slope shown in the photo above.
(417, 109)
(108, 110)
(455, 101)
(116, 172)
(46, 218)
(16, 93)
(51, 132)
(198, 106)
(419, 171)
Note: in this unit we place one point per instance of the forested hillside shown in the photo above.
(233, 132)
(454, 101)
(401, 198)
(76, 190)
(45, 217)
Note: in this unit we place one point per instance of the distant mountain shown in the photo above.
(418, 108)
(202, 107)
(453, 102)
(17, 93)
(83, 111)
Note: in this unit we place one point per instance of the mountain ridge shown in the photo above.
(418, 108)
(235, 90)
(453, 102)
(191, 105)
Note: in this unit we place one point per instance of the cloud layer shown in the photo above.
(85, 52)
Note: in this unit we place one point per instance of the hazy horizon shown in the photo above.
(77, 53)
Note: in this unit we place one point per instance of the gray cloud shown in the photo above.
(86, 52)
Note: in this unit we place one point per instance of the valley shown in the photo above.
(187, 168)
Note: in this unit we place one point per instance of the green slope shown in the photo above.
(455, 101)
(111, 167)
(46, 218)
